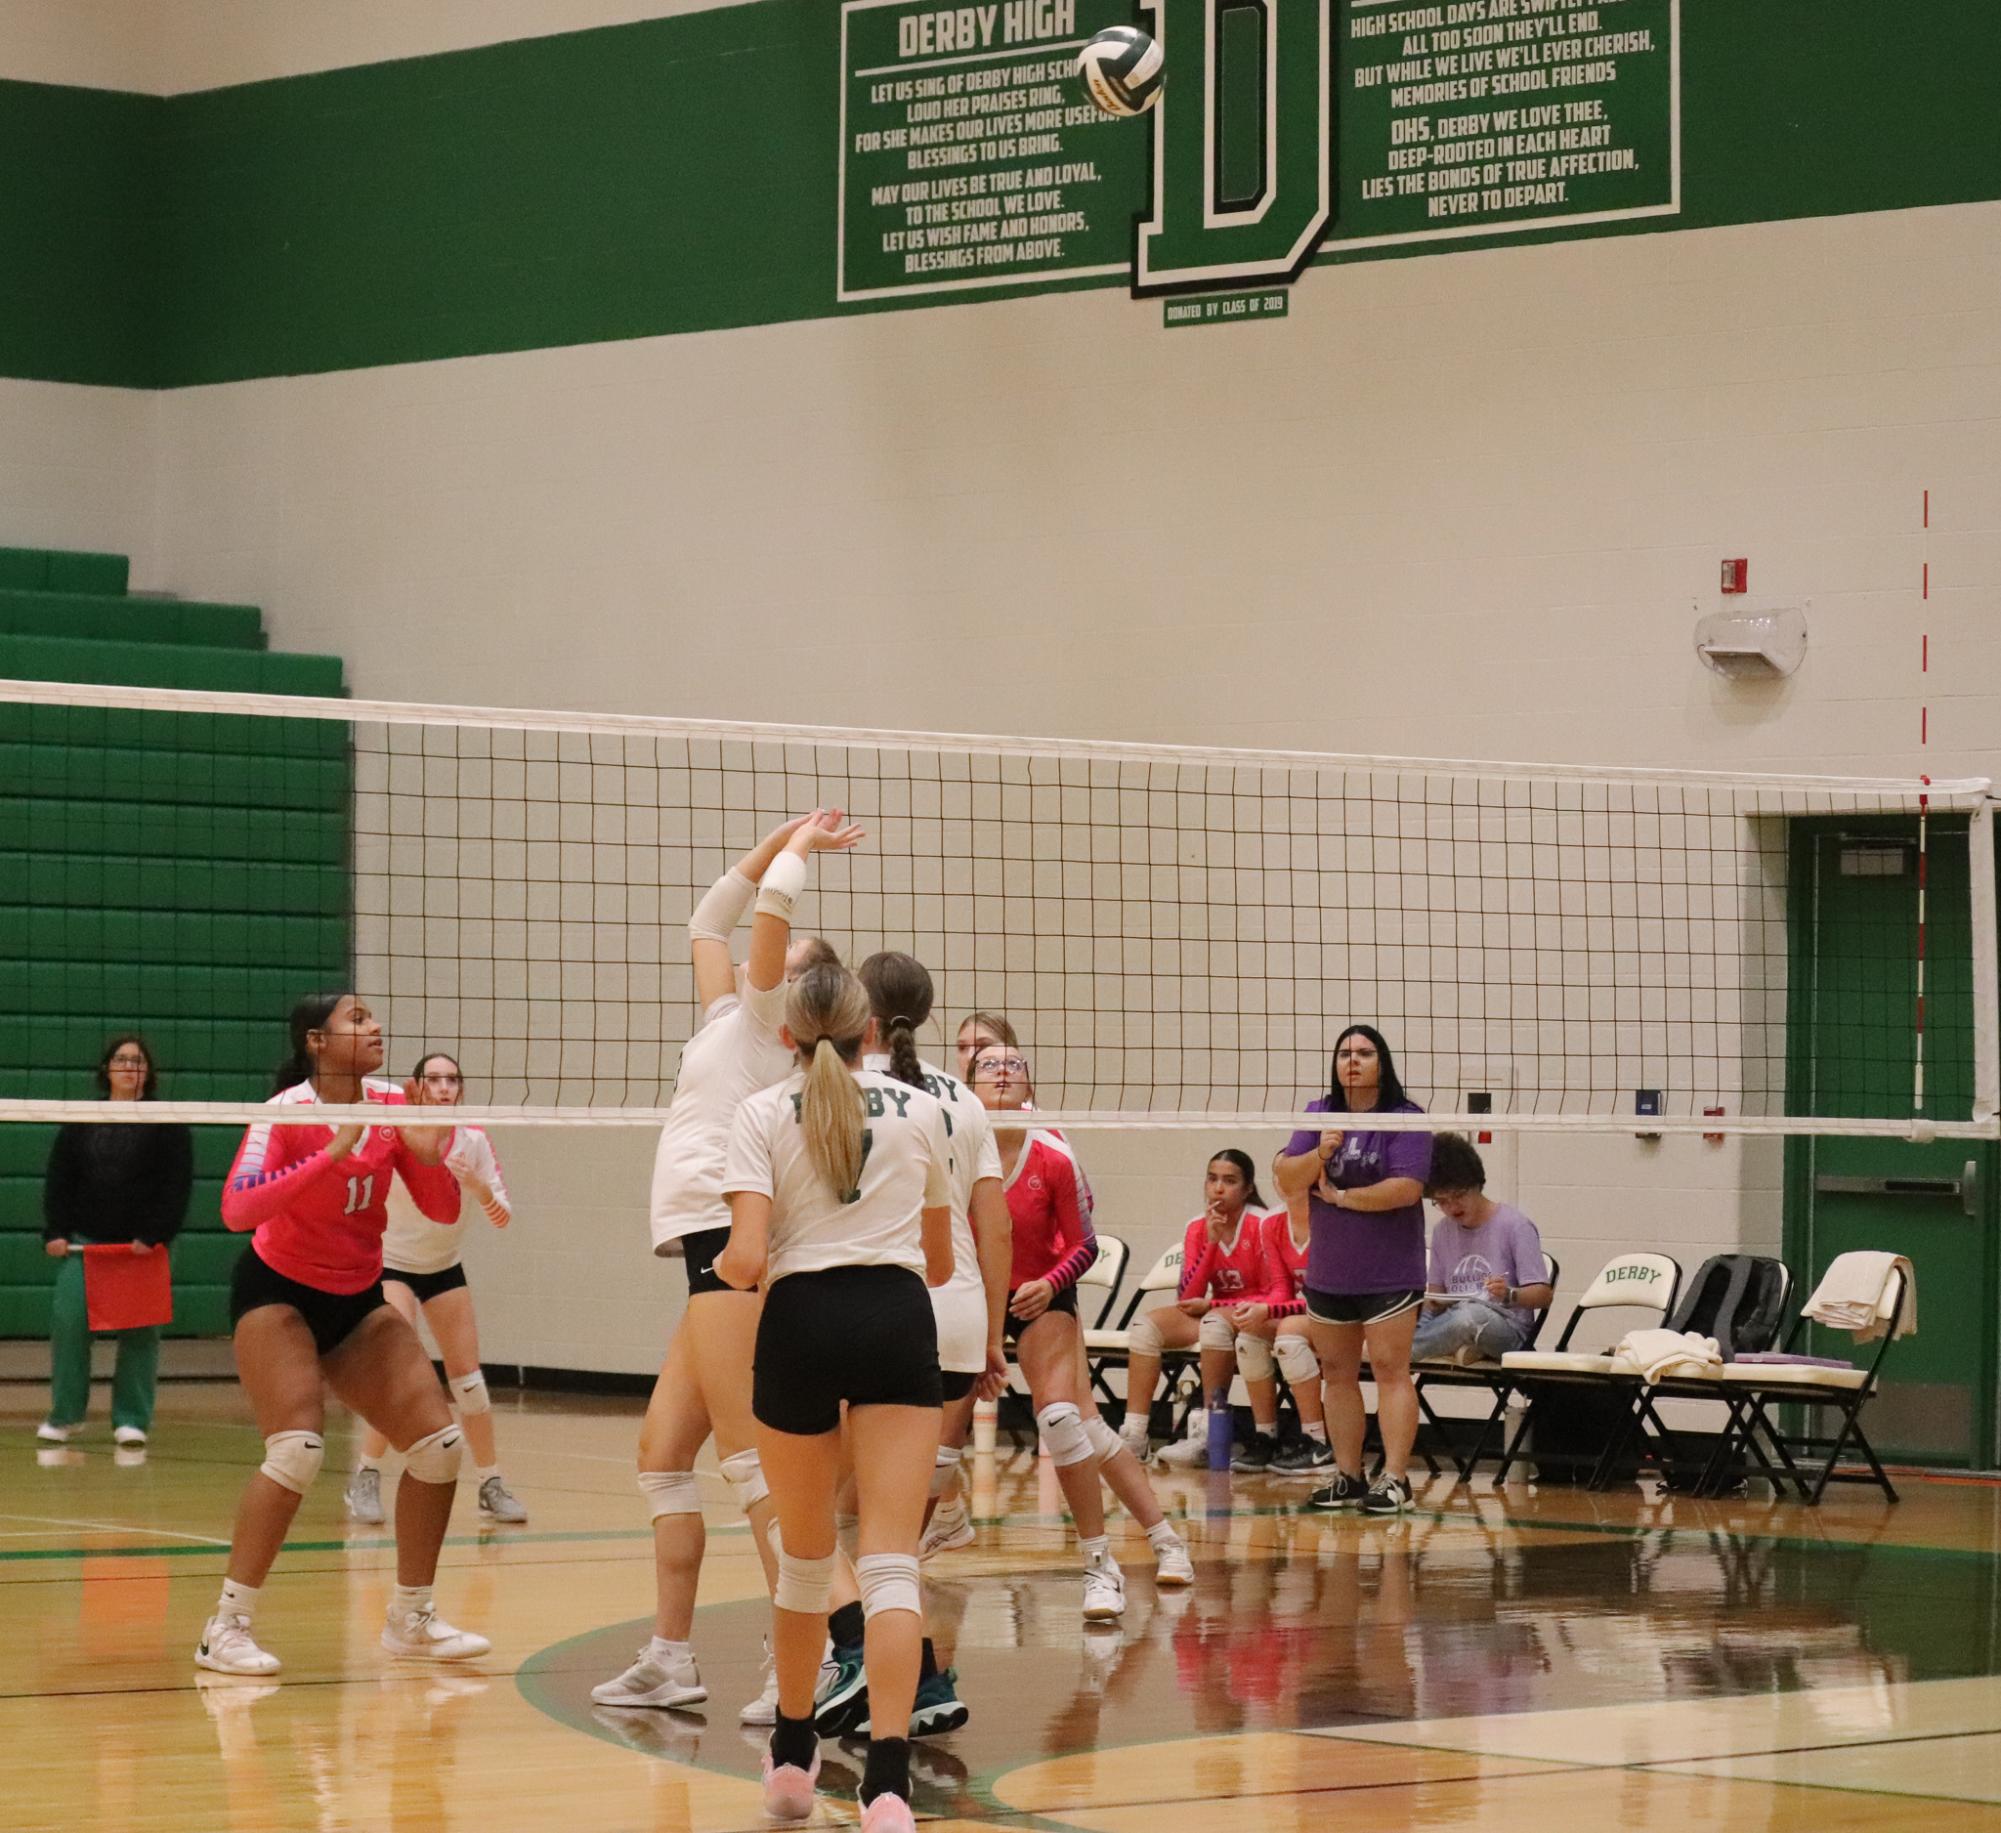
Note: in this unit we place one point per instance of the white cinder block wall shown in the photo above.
(1467, 505)
(1463, 505)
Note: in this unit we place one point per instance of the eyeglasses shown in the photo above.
(1002, 1066)
(128, 1062)
(434, 1079)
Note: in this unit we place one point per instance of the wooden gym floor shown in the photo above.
(1539, 1660)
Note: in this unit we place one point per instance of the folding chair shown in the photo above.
(1442, 1371)
(1645, 1282)
(1110, 1347)
(1740, 1301)
(1098, 1291)
(1751, 1389)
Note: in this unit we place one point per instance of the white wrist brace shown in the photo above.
(784, 879)
(721, 908)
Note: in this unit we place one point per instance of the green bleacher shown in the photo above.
(184, 875)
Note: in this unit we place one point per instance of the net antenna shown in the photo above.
(1177, 932)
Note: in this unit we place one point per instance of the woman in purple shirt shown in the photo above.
(1365, 1266)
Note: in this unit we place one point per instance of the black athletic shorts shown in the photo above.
(427, 1286)
(699, 1251)
(863, 1335)
(1063, 1300)
(1360, 1307)
(955, 1384)
(330, 1316)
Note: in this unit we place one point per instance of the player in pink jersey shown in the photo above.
(1049, 1201)
(307, 1304)
(1222, 1264)
(1272, 1337)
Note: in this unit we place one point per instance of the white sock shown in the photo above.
(485, 1472)
(666, 1652)
(368, 1463)
(237, 1600)
(409, 1600)
(1162, 1535)
(1097, 1549)
(1318, 1434)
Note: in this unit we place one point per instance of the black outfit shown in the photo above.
(118, 1183)
(698, 1253)
(330, 1316)
(427, 1286)
(1063, 1299)
(862, 1334)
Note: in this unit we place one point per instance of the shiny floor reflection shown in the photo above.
(1534, 1659)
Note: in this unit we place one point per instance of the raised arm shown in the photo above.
(721, 910)
(771, 928)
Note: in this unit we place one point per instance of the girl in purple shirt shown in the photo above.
(1365, 1265)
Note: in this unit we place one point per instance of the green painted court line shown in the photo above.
(374, 1544)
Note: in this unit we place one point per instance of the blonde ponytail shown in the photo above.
(831, 1111)
(827, 1012)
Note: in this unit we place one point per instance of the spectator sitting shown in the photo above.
(1488, 1274)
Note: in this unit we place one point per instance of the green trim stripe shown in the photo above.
(680, 175)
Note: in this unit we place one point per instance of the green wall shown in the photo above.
(185, 875)
(679, 175)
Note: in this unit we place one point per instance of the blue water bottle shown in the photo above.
(1222, 1430)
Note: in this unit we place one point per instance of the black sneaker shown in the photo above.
(1303, 1457)
(1256, 1454)
(1344, 1492)
(1387, 1496)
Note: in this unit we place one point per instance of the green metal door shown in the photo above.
(1853, 1052)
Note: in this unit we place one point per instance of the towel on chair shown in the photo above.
(1855, 1295)
(1657, 1354)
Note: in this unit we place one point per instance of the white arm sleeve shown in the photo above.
(779, 890)
(721, 908)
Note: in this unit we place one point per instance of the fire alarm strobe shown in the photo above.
(1736, 575)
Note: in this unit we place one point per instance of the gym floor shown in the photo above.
(1538, 1659)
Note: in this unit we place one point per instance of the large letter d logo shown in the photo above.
(1242, 142)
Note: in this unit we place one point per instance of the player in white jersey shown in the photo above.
(704, 1383)
(971, 1313)
(840, 1188)
(421, 1271)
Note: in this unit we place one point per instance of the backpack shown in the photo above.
(1739, 1299)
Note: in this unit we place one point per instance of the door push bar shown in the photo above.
(1966, 1187)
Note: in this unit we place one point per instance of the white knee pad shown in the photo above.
(1143, 1339)
(1105, 1443)
(888, 1581)
(746, 1479)
(670, 1492)
(1215, 1331)
(436, 1459)
(944, 1468)
(1254, 1357)
(292, 1459)
(804, 1585)
(469, 1394)
(1062, 1429)
(1296, 1360)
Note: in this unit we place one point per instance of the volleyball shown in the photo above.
(1121, 69)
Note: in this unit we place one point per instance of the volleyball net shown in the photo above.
(1176, 933)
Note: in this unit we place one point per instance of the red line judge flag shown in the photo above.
(126, 1291)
